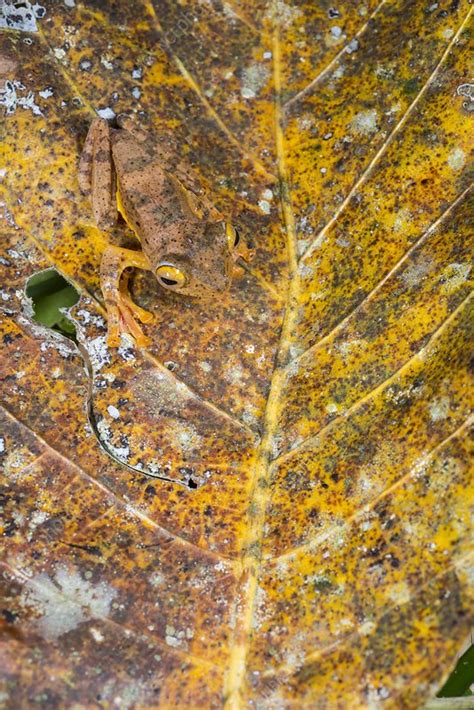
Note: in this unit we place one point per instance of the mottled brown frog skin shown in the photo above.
(185, 242)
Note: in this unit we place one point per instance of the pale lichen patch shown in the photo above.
(283, 14)
(364, 122)
(65, 601)
(439, 409)
(417, 271)
(254, 79)
(454, 275)
(457, 159)
(399, 593)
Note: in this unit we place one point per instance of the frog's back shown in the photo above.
(147, 197)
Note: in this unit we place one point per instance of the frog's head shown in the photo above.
(209, 264)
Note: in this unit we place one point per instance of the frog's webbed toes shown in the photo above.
(121, 313)
(138, 312)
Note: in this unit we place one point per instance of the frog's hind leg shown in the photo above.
(97, 174)
(121, 311)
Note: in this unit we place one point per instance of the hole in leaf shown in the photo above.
(191, 483)
(50, 292)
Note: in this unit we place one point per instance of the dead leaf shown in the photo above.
(319, 410)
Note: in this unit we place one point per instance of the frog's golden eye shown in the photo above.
(170, 276)
(233, 237)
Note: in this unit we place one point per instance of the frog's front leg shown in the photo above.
(121, 311)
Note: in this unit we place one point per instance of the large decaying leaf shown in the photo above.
(310, 549)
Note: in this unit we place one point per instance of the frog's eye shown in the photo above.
(170, 276)
(233, 237)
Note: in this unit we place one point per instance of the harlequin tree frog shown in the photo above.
(185, 241)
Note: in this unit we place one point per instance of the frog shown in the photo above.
(190, 247)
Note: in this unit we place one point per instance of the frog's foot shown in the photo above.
(138, 312)
(237, 271)
(121, 320)
(245, 253)
(243, 256)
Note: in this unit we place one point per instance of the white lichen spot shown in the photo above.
(46, 93)
(283, 15)
(467, 90)
(301, 246)
(137, 73)
(338, 73)
(267, 194)
(20, 16)
(136, 93)
(113, 411)
(234, 374)
(11, 98)
(439, 409)
(364, 122)
(98, 352)
(106, 113)
(205, 366)
(126, 349)
(366, 628)
(456, 159)
(105, 61)
(336, 32)
(454, 275)
(304, 123)
(188, 438)
(332, 408)
(264, 206)
(36, 518)
(353, 46)
(121, 452)
(402, 220)
(177, 639)
(65, 601)
(254, 79)
(399, 593)
(417, 271)
(16, 463)
(156, 579)
(2, 445)
(59, 53)
(96, 635)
